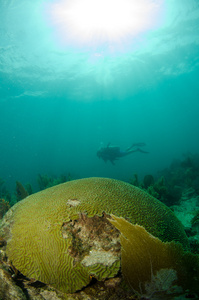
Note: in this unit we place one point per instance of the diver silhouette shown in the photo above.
(113, 153)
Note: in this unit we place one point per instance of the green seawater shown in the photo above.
(61, 99)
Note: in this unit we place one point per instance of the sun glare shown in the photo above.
(99, 21)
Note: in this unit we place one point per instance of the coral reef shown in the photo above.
(155, 267)
(158, 189)
(28, 188)
(21, 192)
(148, 180)
(4, 207)
(134, 181)
(45, 181)
(187, 213)
(4, 193)
(182, 175)
(195, 221)
(51, 231)
(2, 187)
(19, 287)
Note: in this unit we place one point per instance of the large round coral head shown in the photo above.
(62, 235)
(99, 21)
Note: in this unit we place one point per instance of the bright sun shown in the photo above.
(99, 21)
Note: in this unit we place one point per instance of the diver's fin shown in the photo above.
(139, 144)
(112, 161)
(135, 145)
(140, 150)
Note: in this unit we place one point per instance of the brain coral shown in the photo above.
(40, 244)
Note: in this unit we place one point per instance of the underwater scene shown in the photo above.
(99, 168)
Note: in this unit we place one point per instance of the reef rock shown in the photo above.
(8, 289)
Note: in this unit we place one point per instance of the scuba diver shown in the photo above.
(113, 153)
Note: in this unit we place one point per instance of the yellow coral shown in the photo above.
(37, 248)
(152, 266)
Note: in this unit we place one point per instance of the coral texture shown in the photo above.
(39, 245)
(152, 266)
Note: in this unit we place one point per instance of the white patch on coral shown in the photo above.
(73, 202)
(99, 257)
